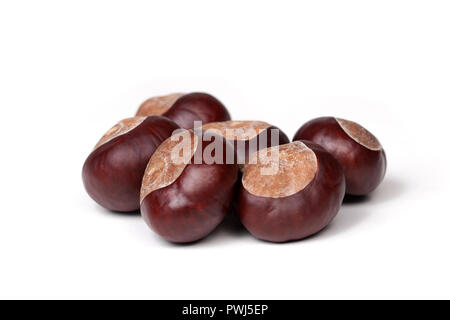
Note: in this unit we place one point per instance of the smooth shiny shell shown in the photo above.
(299, 215)
(112, 173)
(358, 151)
(197, 107)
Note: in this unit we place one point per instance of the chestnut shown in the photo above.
(358, 151)
(184, 109)
(290, 192)
(112, 173)
(248, 137)
(188, 186)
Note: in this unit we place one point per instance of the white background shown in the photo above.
(69, 70)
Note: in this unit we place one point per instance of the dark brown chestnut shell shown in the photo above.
(197, 107)
(193, 205)
(364, 169)
(301, 214)
(112, 173)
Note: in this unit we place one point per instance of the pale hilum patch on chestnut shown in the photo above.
(237, 130)
(169, 161)
(359, 134)
(296, 166)
(122, 127)
(156, 106)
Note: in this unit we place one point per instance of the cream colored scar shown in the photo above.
(359, 134)
(280, 171)
(156, 106)
(121, 128)
(169, 161)
(237, 130)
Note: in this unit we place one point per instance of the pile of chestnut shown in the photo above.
(281, 190)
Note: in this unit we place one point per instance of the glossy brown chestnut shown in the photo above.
(112, 173)
(358, 151)
(184, 109)
(291, 196)
(248, 137)
(185, 200)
